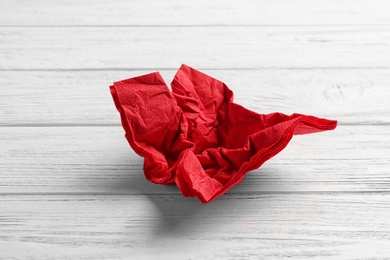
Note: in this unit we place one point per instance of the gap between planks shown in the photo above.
(179, 196)
(118, 124)
(188, 25)
(130, 69)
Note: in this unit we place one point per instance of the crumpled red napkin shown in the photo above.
(195, 136)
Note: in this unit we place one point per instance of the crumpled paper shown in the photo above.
(195, 136)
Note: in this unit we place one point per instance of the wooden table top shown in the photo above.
(72, 188)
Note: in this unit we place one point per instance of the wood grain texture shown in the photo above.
(202, 47)
(99, 160)
(190, 13)
(82, 97)
(250, 226)
(71, 187)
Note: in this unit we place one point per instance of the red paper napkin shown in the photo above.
(195, 136)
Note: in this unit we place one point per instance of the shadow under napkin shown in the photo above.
(187, 216)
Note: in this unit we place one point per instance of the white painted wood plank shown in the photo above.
(165, 227)
(83, 98)
(201, 12)
(99, 160)
(201, 47)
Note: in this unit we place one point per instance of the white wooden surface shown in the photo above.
(71, 187)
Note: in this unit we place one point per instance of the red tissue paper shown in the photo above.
(195, 136)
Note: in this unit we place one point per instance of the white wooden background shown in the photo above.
(71, 187)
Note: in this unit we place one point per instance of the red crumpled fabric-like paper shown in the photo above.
(195, 136)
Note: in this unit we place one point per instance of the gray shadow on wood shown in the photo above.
(180, 216)
(185, 217)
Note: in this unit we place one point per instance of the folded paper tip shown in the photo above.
(333, 124)
(195, 136)
(153, 78)
(183, 65)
